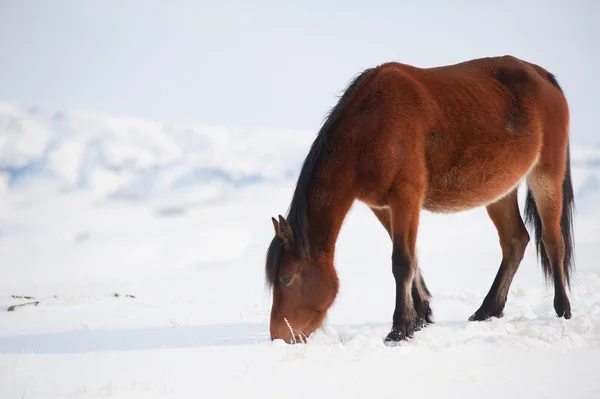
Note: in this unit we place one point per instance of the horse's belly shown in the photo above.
(453, 201)
(460, 188)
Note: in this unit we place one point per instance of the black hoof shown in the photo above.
(395, 337)
(421, 323)
(424, 314)
(562, 306)
(404, 331)
(484, 314)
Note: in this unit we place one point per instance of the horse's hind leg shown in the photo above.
(420, 293)
(421, 297)
(550, 212)
(513, 240)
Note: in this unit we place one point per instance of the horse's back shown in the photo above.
(496, 94)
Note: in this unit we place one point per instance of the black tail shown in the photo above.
(532, 217)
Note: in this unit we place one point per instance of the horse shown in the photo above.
(444, 139)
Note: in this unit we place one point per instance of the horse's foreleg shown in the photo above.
(420, 294)
(513, 240)
(404, 221)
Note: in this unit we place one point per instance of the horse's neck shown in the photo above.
(329, 202)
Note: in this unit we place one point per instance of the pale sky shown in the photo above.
(268, 63)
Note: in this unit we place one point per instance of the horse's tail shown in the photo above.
(532, 218)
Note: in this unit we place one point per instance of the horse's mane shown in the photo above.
(297, 216)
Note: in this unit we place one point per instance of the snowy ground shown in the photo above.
(179, 218)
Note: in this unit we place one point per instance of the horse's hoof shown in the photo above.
(562, 306)
(397, 335)
(479, 316)
(391, 343)
(483, 316)
(420, 323)
(394, 338)
(488, 310)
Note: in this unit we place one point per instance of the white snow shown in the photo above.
(179, 217)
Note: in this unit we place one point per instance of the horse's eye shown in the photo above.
(285, 280)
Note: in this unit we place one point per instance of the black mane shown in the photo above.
(297, 215)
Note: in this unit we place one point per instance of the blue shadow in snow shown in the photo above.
(202, 175)
(114, 340)
(121, 340)
(34, 168)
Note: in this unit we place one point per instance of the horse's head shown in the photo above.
(303, 288)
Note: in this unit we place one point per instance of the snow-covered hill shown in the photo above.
(137, 158)
(94, 208)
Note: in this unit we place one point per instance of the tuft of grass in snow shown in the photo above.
(13, 307)
(32, 301)
(22, 297)
(117, 295)
(291, 329)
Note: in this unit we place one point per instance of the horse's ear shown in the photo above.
(284, 231)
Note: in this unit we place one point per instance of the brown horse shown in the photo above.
(443, 139)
